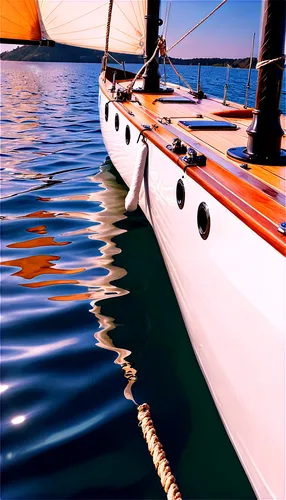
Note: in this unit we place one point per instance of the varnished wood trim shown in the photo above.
(224, 163)
(229, 190)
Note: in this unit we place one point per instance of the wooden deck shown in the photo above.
(257, 195)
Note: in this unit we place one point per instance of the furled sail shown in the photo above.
(76, 22)
(19, 20)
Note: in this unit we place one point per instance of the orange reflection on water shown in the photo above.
(37, 265)
(44, 214)
(37, 230)
(47, 241)
(41, 284)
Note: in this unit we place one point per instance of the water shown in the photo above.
(68, 432)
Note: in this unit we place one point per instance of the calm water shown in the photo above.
(68, 432)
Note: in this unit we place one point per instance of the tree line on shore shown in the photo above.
(67, 53)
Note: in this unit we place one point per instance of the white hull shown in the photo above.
(231, 292)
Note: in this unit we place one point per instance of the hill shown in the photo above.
(67, 53)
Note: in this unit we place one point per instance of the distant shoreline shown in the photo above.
(68, 54)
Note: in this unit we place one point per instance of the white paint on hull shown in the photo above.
(231, 292)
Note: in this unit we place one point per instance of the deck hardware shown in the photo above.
(245, 166)
(113, 88)
(180, 194)
(146, 128)
(127, 135)
(123, 95)
(207, 125)
(204, 220)
(175, 100)
(192, 158)
(116, 122)
(177, 146)
(164, 120)
(199, 93)
(226, 85)
(106, 111)
(282, 228)
(198, 115)
(130, 112)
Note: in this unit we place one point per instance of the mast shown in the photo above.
(151, 76)
(265, 132)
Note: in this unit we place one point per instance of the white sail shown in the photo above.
(83, 23)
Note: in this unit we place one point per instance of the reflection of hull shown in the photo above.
(225, 295)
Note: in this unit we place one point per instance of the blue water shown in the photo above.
(84, 288)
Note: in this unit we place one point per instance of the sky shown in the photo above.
(228, 33)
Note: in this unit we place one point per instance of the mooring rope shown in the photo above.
(160, 461)
(105, 57)
(260, 64)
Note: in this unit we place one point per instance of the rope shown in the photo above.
(166, 22)
(197, 25)
(114, 59)
(179, 75)
(260, 64)
(168, 481)
(131, 85)
(105, 57)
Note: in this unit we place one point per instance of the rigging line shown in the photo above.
(105, 57)
(138, 74)
(79, 17)
(167, 14)
(114, 59)
(197, 25)
(178, 74)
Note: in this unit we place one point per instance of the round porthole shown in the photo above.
(180, 194)
(204, 220)
(106, 109)
(127, 134)
(116, 122)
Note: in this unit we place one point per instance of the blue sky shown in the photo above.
(228, 33)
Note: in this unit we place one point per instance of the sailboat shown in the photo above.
(211, 181)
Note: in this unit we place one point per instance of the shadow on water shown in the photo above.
(70, 357)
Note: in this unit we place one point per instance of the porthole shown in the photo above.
(127, 134)
(180, 194)
(116, 122)
(204, 220)
(106, 112)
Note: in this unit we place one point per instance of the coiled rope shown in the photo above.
(155, 448)
(260, 64)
